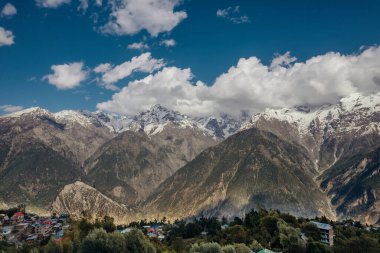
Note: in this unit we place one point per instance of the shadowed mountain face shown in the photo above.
(39, 155)
(342, 140)
(250, 169)
(129, 167)
(36, 176)
(353, 183)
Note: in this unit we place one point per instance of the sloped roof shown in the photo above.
(321, 225)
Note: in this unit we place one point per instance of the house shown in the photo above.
(125, 231)
(18, 217)
(43, 230)
(266, 251)
(326, 232)
(6, 231)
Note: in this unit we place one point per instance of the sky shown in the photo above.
(199, 57)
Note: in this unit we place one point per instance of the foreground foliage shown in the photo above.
(257, 230)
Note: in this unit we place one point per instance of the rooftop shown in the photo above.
(321, 225)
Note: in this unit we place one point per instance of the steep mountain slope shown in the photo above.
(134, 164)
(354, 186)
(36, 175)
(340, 138)
(252, 168)
(73, 139)
(81, 200)
(330, 132)
(39, 154)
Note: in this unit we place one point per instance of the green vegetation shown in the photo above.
(256, 231)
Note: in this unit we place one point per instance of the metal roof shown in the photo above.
(321, 225)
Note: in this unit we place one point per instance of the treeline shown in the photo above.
(257, 230)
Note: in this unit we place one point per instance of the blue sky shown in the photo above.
(57, 32)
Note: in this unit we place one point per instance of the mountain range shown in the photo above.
(303, 160)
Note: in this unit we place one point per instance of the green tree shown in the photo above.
(228, 249)
(67, 246)
(137, 243)
(100, 242)
(53, 247)
(256, 246)
(209, 247)
(311, 231)
(242, 248)
(317, 247)
(290, 238)
(34, 250)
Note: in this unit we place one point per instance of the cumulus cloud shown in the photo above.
(6, 37)
(138, 46)
(8, 10)
(171, 87)
(232, 14)
(83, 5)
(252, 86)
(51, 3)
(102, 68)
(154, 16)
(67, 76)
(11, 108)
(168, 43)
(144, 63)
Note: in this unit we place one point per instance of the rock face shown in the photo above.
(329, 133)
(81, 200)
(250, 169)
(39, 154)
(307, 161)
(354, 186)
(157, 118)
(342, 140)
(134, 164)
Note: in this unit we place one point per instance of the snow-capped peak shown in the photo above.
(33, 111)
(71, 116)
(354, 109)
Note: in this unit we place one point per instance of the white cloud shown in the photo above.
(9, 10)
(102, 68)
(253, 86)
(99, 2)
(83, 5)
(232, 14)
(11, 108)
(6, 37)
(282, 60)
(168, 43)
(154, 16)
(138, 46)
(51, 3)
(143, 63)
(171, 87)
(67, 76)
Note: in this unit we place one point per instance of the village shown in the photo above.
(29, 228)
(22, 227)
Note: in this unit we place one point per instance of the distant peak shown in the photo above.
(158, 107)
(32, 110)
